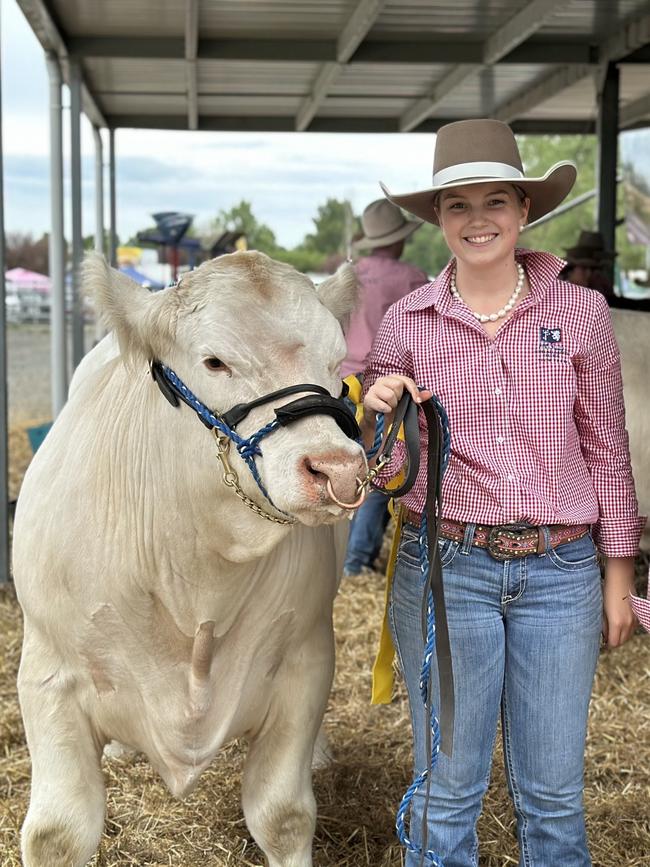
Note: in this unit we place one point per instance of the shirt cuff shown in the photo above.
(619, 537)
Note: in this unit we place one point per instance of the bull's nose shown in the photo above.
(340, 469)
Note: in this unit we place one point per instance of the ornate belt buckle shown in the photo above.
(505, 543)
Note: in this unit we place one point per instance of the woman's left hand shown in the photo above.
(619, 620)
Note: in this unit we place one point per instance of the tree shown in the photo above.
(426, 248)
(23, 251)
(240, 218)
(335, 226)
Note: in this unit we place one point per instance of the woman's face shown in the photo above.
(481, 222)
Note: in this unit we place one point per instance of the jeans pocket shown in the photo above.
(573, 556)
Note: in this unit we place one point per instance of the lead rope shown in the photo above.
(439, 446)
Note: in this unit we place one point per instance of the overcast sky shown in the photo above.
(285, 175)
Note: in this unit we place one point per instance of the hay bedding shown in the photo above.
(358, 794)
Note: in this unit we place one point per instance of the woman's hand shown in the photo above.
(619, 620)
(383, 396)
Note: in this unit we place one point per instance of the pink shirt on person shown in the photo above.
(383, 281)
(536, 414)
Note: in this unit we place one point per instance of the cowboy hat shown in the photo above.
(590, 250)
(383, 224)
(480, 151)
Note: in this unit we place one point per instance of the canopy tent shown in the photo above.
(22, 279)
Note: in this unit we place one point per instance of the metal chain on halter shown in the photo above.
(231, 479)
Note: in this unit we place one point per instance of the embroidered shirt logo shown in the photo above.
(550, 344)
(550, 336)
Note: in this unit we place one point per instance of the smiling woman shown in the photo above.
(528, 370)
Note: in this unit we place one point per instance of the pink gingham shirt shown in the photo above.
(536, 413)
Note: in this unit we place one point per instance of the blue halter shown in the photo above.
(318, 401)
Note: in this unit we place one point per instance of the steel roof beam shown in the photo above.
(40, 20)
(349, 40)
(191, 51)
(448, 50)
(506, 38)
(286, 123)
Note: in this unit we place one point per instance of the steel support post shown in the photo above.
(75, 193)
(99, 191)
(4, 418)
(58, 341)
(607, 154)
(111, 174)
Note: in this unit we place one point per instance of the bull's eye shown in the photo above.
(213, 363)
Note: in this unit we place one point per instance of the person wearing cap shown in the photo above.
(539, 481)
(383, 279)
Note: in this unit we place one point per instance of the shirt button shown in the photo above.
(500, 440)
(497, 391)
(511, 478)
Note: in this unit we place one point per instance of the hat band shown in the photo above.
(464, 171)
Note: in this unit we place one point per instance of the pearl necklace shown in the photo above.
(492, 317)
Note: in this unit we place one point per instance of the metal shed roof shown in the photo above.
(337, 65)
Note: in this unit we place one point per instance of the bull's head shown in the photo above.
(235, 329)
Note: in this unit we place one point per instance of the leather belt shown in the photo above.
(507, 541)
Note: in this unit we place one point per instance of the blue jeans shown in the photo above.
(366, 533)
(525, 636)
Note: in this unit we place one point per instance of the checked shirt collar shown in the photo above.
(541, 269)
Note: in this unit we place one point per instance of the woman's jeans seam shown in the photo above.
(512, 775)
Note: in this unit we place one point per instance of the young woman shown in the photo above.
(539, 478)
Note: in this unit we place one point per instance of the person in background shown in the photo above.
(588, 264)
(539, 481)
(384, 279)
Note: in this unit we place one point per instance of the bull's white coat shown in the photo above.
(159, 610)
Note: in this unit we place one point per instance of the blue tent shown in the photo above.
(141, 278)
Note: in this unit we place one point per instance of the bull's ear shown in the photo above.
(340, 292)
(143, 321)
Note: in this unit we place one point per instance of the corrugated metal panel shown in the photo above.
(482, 94)
(129, 103)
(273, 18)
(139, 76)
(575, 103)
(421, 17)
(240, 76)
(120, 17)
(249, 105)
(362, 107)
(599, 19)
(375, 79)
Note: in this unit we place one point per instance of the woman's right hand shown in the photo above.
(384, 394)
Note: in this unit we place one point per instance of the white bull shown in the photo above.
(161, 611)
(632, 330)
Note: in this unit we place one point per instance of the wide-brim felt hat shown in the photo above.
(589, 250)
(482, 151)
(384, 224)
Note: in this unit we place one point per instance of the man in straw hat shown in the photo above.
(384, 279)
(528, 370)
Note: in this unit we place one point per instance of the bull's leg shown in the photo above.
(277, 794)
(66, 812)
